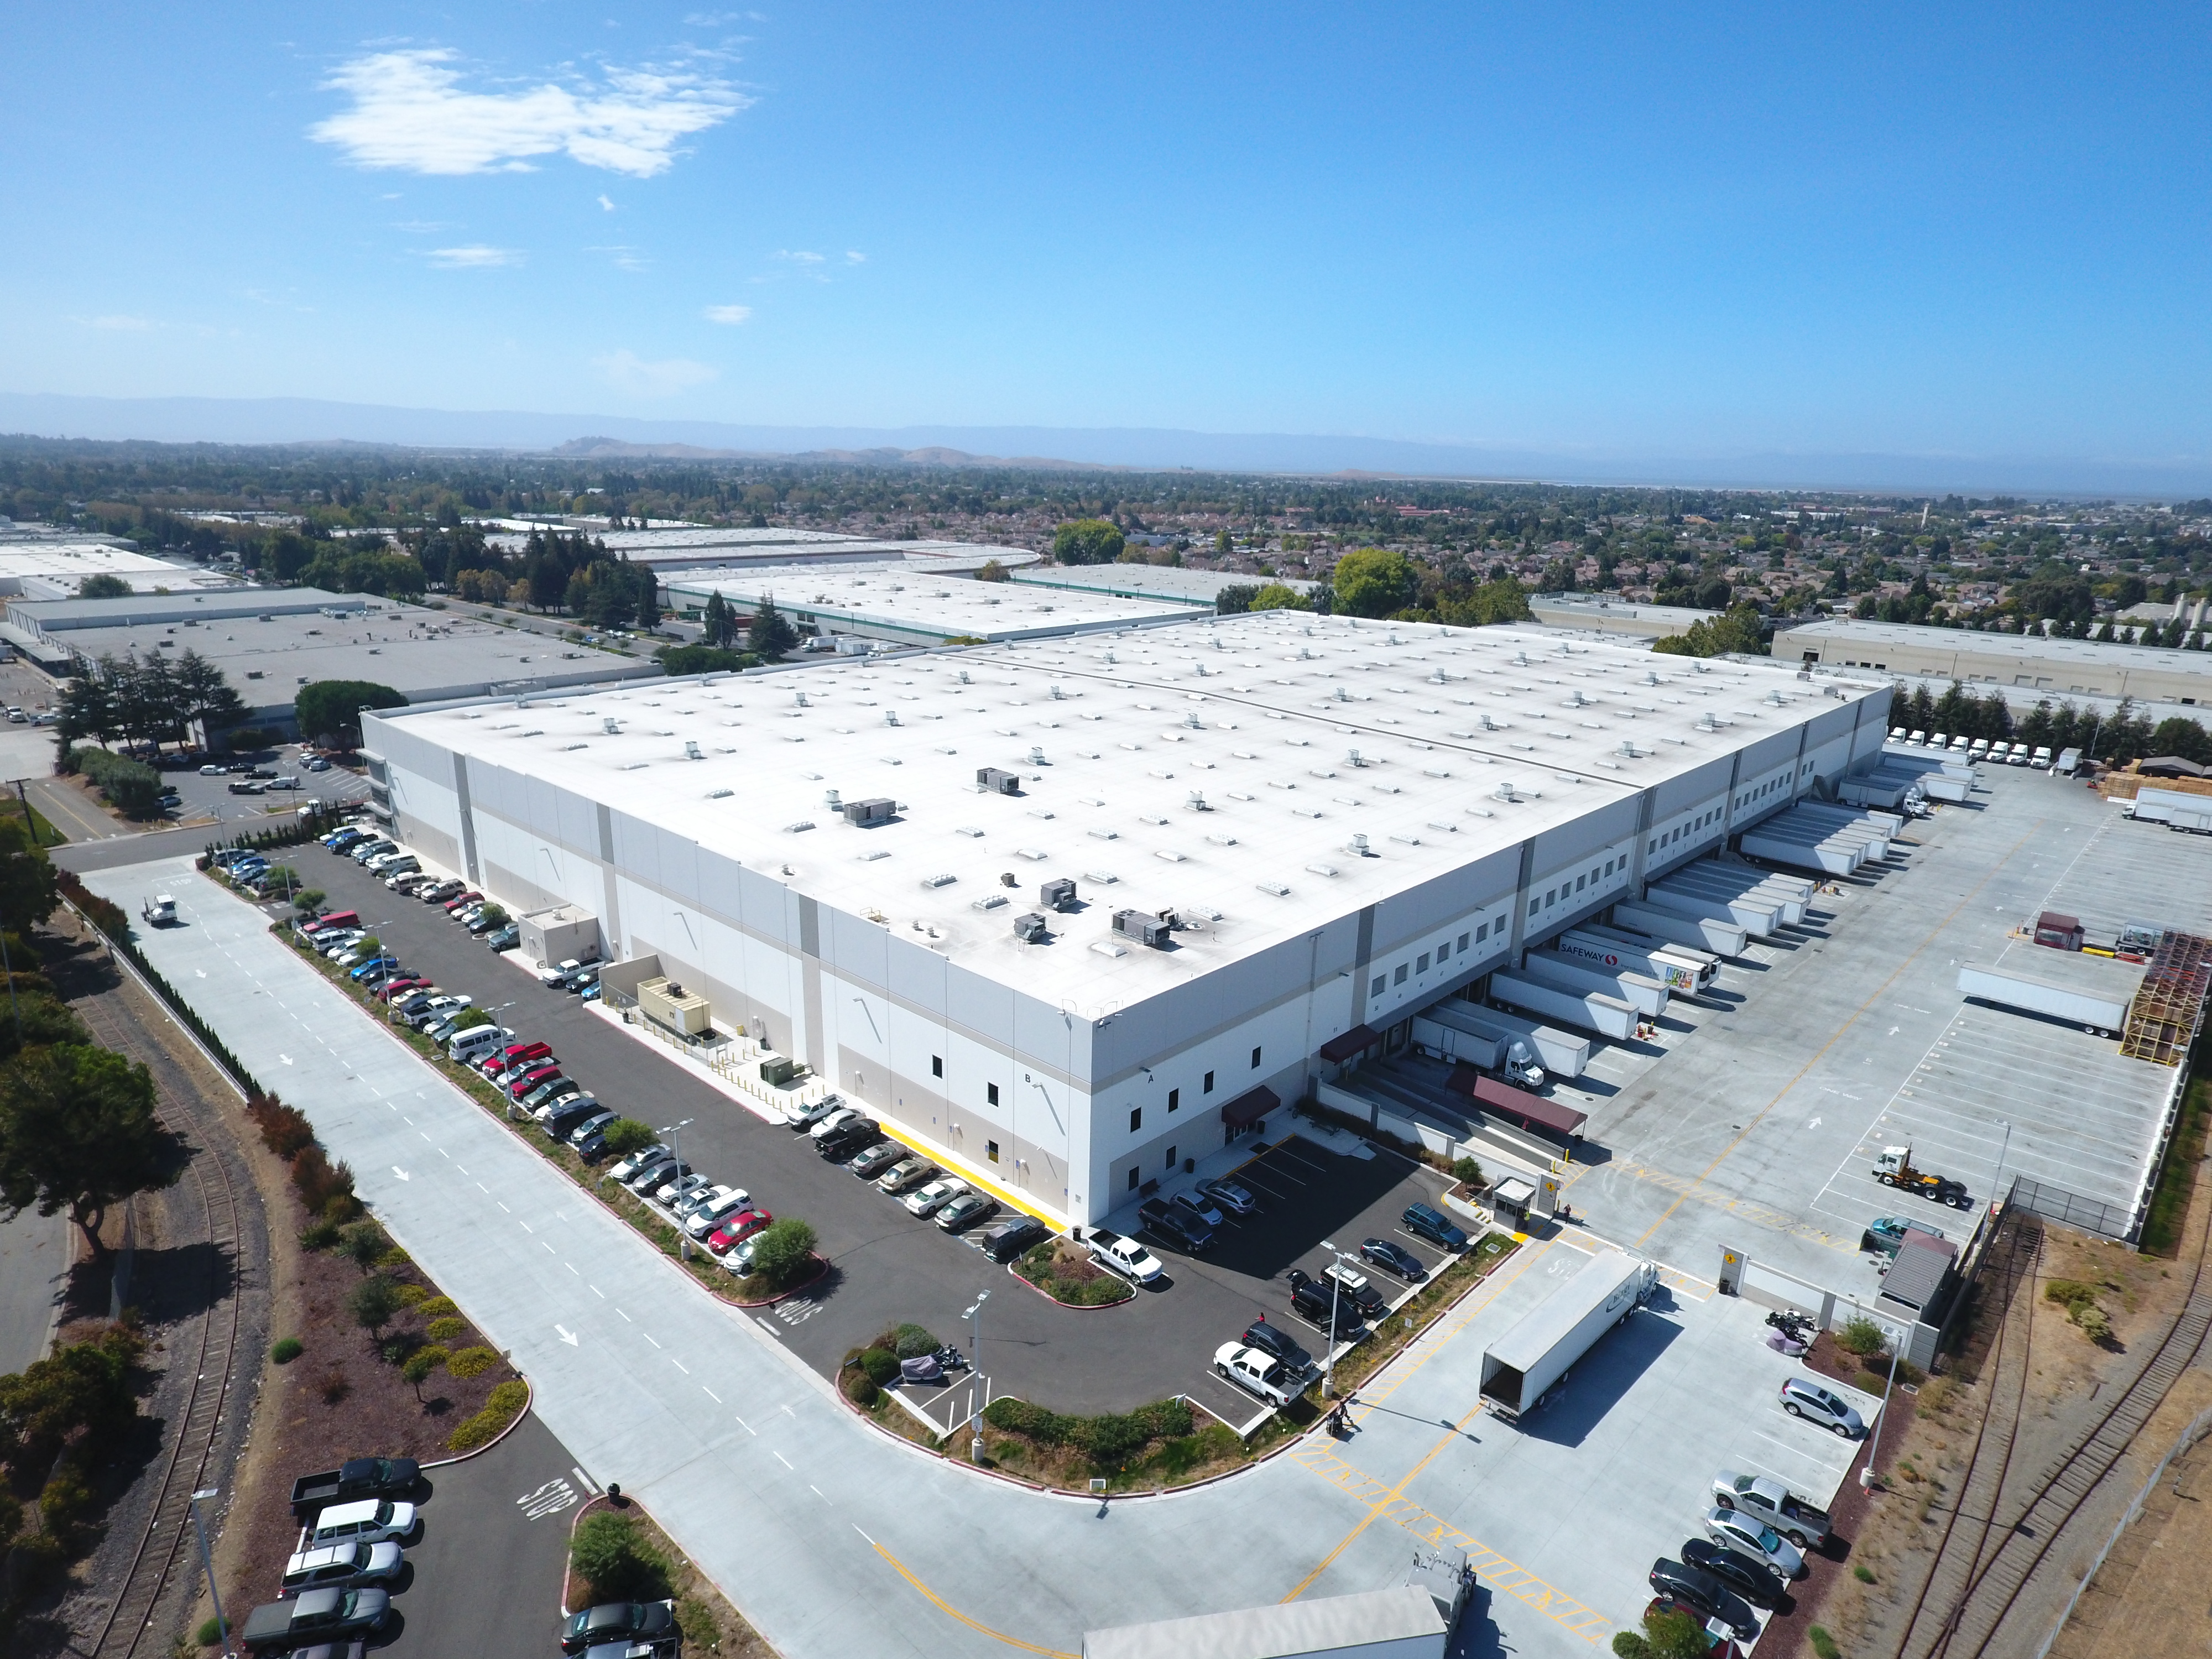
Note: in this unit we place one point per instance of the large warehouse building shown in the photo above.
(1072, 911)
(2148, 673)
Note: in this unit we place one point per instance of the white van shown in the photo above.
(477, 1040)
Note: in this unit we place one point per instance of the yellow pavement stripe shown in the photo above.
(955, 1163)
(952, 1612)
(1376, 1508)
(1494, 1569)
(1880, 991)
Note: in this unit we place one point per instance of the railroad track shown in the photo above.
(2005, 1558)
(211, 1352)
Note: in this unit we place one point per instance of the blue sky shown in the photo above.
(1648, 229)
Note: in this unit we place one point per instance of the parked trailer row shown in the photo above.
(1641, 992)
(1561, 1053)
(1789, 895)
(1612, 955)
(1721, 935)
(1533, 1358)
(1607, 1015)
(1834, 840)
(1703, 965)
(2099, 1015)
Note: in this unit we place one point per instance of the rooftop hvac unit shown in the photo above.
(1058, 895)
(867, 813)
(1146, 929)
(992, 781)
(1029, 928)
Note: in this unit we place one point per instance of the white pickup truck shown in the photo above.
(1122, 1256)
(1770, 1502)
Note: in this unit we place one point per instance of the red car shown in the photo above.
(493, 1065)
(392, 988)
(531, 1078)
(736, 1229)
(463, 901)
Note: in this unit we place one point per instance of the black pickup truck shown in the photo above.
(360, 1477)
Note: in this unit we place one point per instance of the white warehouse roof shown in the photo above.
(52, 569)
(918, 606)
(1207, 768)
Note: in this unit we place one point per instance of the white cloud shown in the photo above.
(409, 113)
(632, 373)
(605, 203)
(853, 258)
(117, 322)
(798, 257)
(475, 257)
(728, 313)
(626, 257)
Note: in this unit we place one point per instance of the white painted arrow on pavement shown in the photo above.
(401, 1173)
(565, 1335)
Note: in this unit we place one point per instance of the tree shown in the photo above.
(1374, 581)
(703, 660)
(362, 1244)
(608, 1555)
(374, 1304)
(718, 627)
(28, 890)
(331, 708)
(84, 1389)
(783, 1251)
(2184, 738)
(419, 1364)
(1277, 596)
(104, 587)
(771, 633)
(1087, 541)
(1234, 598)
(626, 1135)
(1741, 630)
(78, 1132)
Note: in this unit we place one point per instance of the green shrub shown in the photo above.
(309, 899)
(1864, 1573)
(286, 1350)
(860, 1389)
(913, 1342)
(1861, 1336)
(625, 1136)
(211, 1632)
(1823, 1643)
(394, 1258)
(413, 1295)
(437, 1307)
(610, 1554)
(319, 1235)
(446, 1329)
(362, 1244)
(508, 1398)
(1629, 1645)
(1108, 1441)
(784, 1252)
(472, 1361)
(133, 788)
(880, 1366)
(374, 1303)
(1468, 1172)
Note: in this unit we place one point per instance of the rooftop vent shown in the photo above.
(1357, 848)
(1057, 693)
(691, 752)
(865, 814)
(799, 698)
(891, 717)
(938, 881)
(1195, 802)
(830, 799)
(965, 680)
(988, 901)
(1352, 758)
(1058, 895)
(1036, 754)
(991, 781)
(1030, 928)
(612, 727)
(1147, 930)
(1274, 889)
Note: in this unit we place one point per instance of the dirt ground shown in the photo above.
(1924, 1462)
(2150, 1596)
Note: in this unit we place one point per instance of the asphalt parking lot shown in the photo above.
(891, 1267)
(202, 798)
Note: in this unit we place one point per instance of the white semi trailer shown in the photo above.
(1680, 973)
(1535, 1356)
(1639, 990)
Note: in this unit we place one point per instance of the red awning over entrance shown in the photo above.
(1357, 1040)
(1250, 1109)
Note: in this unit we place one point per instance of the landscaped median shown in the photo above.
(801, 1267)
(1063, 1270)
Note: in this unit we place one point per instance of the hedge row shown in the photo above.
(313, 819)
(131, 787)
(1105, 1440)
(501, 1408)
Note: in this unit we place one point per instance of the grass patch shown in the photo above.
(1064, 1271)
(2176, 1173)
(1823, 1642)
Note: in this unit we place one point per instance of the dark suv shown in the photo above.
(846, 1139)
(1275, 1340)
(1311, 1299)
(1426, 1221)
(618, 1621)
(1175, 1224)
(1754, 1581)
(1700, 1589)
(1012, 1238)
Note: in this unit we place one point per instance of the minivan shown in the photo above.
(477, 1040)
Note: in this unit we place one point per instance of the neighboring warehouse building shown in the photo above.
(2148, 673)
(1200, 589)
(49, 569)
(901, 606)
(670, 550)
(271, 641)
(1598, 614)
(1072, 911)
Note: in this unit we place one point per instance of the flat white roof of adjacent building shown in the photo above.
(1151, 581)
(689, 546)
(52, 569)
(1358, 1623)
(2024, 648)
(921, 604)
(1467, 741)
(1615, 616)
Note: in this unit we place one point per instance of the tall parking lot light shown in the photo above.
(682, 1234)
(974, 1318)
(1336, 1290)
(207, 1562)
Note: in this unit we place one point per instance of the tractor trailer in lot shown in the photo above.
(1534, 1355)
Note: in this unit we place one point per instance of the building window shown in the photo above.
(1375, 989)
(1549, 899)
(1481, 933)
(991, 1151)
(936, 1066)
(1534, 905)
(1168, 1162)
(1174, 1099)
(991, 1093)
(1134, 1176)
(1463, 939)
(1136, 1119)
(1422, 966)
(1398, 976)
(1255, 1060)
(1209, 1083)
(1579, 881)
(1444, 949)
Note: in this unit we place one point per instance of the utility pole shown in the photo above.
(207, 1563)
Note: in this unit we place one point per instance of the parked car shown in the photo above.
(584, 985)
(370, 1520)
(589, 1138)
(966, 1210)
(513, 1054)
(1706, 1593)
(341, 1566)
(535, 1076)
(484, 922)
(806, 1117)
(678, 1187)
(1426, 1221)
(1124, 1256)
(1174, 1224)
(1311, 1299)
(572, 1113)
(637, 1163)
(1753, 1539)
(1275, 1340)
(1356, 1289)
(740, 1258)
(906, 1172)
(928, 1201)
(351, 1481)
(558, 976)
(1257, 1372)
(1768, 1500)
(1011, 1239)
(1757, 1583)
(656, 1173)
(871, 1163)
(836, 1118)
(439, 891)
(1802, 1397)
(318, 1614)
(684, 1206)
(847, 1139)
(541, 1102)
(707, 1218)
(737, 1228)
(1202, 1209)
(1230, 1196)
(504, 939)
(1394, 1258)
(620, 1622)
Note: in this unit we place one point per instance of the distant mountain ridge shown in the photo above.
(306, 421)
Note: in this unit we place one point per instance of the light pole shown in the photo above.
(1867, 1474)
(1336, 1290)
(1995, 1188)
(207, 1563)
(683, 1238)
(974, 1318)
